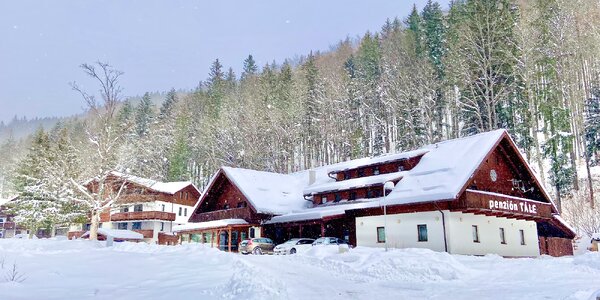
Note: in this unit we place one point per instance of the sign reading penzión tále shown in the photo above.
(516, 206)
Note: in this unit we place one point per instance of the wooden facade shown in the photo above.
(224, 200)
(502, 185)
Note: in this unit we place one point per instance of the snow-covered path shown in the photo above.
(87, 270)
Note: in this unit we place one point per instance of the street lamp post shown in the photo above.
(387, 186)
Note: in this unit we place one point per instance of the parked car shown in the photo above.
(293, 246)
(257, 246)
(329, 241)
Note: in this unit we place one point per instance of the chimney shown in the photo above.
(312, 177)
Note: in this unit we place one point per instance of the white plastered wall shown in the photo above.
(402, 230)
(459, 227)
(402, 233)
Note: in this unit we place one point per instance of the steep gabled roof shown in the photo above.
(266, 192)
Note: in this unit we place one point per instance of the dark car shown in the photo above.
(257, 246)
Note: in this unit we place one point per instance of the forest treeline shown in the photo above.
(531, 67)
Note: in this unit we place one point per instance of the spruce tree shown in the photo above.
(166, 109)
(144, 115)
(250, 67)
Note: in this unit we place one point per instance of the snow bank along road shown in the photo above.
(59, 269)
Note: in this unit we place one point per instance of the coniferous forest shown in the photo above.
(532, 67)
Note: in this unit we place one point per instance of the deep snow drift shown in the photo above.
(60, 269)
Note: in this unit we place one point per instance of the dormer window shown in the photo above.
(376, 171)
(323, 199)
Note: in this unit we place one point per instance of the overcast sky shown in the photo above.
(160, 44)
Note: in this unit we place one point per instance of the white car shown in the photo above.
(293, 246)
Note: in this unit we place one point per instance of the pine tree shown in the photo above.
(144, 115)
(250, 67)
(166, 110)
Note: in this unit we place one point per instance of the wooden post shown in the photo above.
(212, 240)
(229, 239)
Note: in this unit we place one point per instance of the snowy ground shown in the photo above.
(55, 269)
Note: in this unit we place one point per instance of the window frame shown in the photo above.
(138, 207)
(475, 234)
(338, 197)
(323, 199)
(133, 225)
(419, 236)
(381, 239)
(376, 170)
(502, 233)
(180, 211)
(522, 236)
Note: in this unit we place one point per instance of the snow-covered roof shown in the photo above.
(353, 183)
(4, 201)
(369, 161)
(163, 187)
(269, 193)
(117, 234)
(209, 224)
(441, 173)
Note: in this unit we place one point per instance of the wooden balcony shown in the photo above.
(7, 225)
(232, 213)
(493, 204)
(147, 233)
(143, 215)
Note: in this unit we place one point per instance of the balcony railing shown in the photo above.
(232, 213)
(7, 225)
(147, 233)
(143, 215)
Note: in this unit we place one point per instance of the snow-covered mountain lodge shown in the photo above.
(149, 207)
(474, 195)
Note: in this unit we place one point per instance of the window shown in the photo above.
(352, 196)
(381, 234)
(225, 206)
(338, 197)
(125, 209)
(502, 236)
(186, 195)
(347, 175)
(138, 207)
(400, 168)
(162, 226)
(323, 199)
(369, 194)
(241, 204)
(1, 220)
(122, 226)
(475, 234)
(180, 209)
(163, 207)
(185, 211)
(422, 232)
(376, 171)
(522, 234)
(361, 172)
(136, 225)
(251, 233)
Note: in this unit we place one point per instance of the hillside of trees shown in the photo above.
(531, 67)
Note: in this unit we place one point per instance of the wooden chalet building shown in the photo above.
(149, 207)
(8, 227)
(474, 195)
